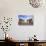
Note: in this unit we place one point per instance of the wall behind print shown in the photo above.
(12, 8)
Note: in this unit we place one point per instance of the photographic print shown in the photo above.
(25, 19)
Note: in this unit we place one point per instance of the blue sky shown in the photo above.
(25, 17)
